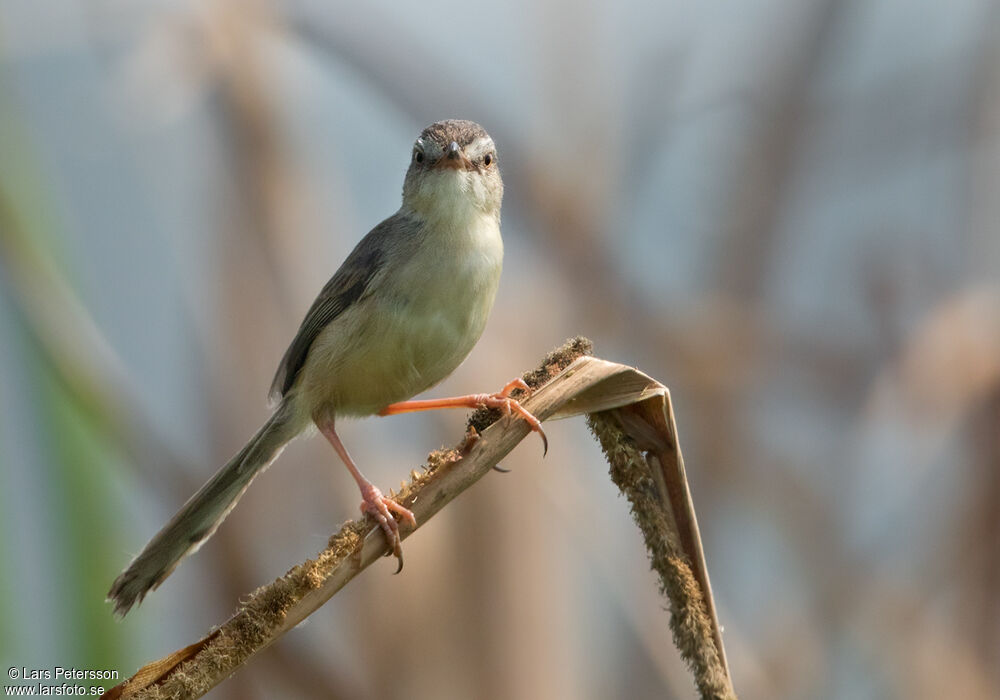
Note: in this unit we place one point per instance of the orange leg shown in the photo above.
(374, 502)
(500, 400)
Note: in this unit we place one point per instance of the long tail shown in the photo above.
(201, 515)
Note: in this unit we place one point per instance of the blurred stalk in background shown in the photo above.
(59, 532)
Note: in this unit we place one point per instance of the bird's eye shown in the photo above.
(488, 159)
(418, 155)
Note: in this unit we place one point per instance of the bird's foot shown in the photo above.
(382, 508)
(501, 400)
(509, 406)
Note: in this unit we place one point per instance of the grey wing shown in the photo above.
(349, 284)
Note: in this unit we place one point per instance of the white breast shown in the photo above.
(425, 317)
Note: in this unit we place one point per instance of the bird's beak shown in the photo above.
(453, 158)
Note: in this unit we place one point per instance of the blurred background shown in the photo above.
(786, 211)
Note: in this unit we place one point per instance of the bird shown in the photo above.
(400, 314)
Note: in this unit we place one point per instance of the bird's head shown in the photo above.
(453, 169)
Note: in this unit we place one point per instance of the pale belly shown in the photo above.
(390, 348)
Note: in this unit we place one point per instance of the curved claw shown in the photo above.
(534, 423)
(498, 468)
(379, 507)
(504, 402)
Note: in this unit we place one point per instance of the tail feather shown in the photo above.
(198, 519)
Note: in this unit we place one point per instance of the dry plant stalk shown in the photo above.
(633, 419)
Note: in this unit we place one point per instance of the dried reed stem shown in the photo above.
(630, 412)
